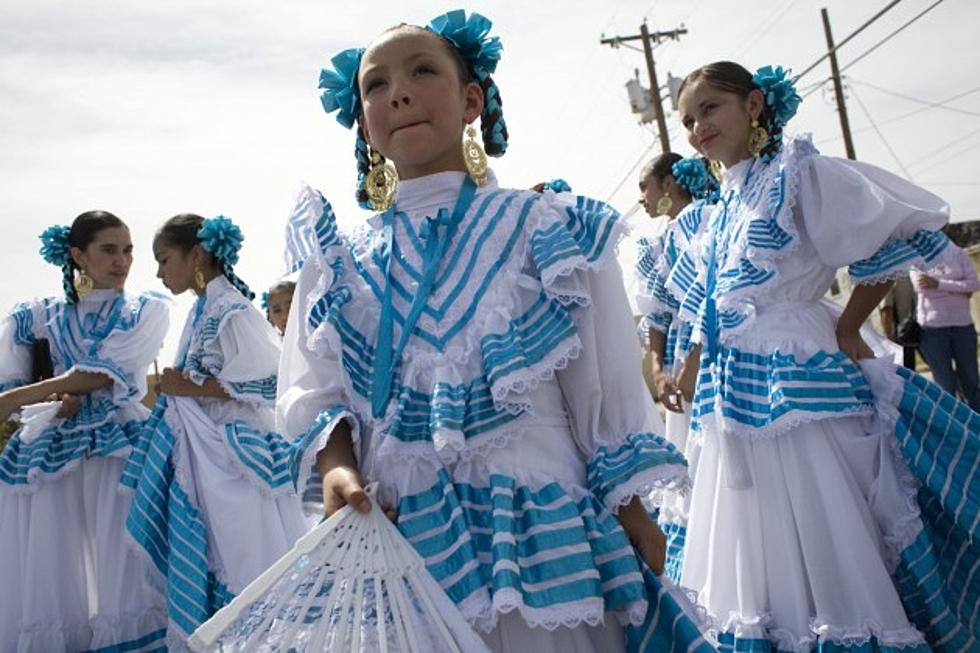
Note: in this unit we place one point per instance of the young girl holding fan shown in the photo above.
(835, 502)
(69, 579)
(209, 509)
(471, 348)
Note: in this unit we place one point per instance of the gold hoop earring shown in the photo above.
(665, 204)
(474, 157)
(381, 183)
(199, 281)
(757, 139)
(83, 283)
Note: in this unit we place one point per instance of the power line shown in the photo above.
(860, 29)
(927, 103)
(959, 140)
(632, 169)
(894, 33)
(884, 140)
(763, 29)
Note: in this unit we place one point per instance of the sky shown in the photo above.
(149, 109)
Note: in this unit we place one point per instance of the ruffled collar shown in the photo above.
(218, 286)
(733, 177)
(433, 191)
(98, 297)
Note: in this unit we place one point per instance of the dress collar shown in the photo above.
(733, 176)
(437, 190)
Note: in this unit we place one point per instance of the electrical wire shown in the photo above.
(632, 169)
(893, 34)
(763, 30)
(881, 135)
(927, 103)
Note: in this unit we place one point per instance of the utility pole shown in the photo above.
(648, 39)
(845, 124)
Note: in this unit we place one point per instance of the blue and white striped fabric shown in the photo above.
(166, 525)
(612, 469)
(760, 393)
(301, 238)
(152, 642)
(921, 250)
(670, 624)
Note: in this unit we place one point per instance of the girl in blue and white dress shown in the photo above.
(68, 578)
(682, 191)
(208, 510)
(472, 349)
(835, 506)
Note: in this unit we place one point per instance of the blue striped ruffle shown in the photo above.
(152, 642)
(616, 473)
(589, 232)
(55, 451)
(676, 539)
(255, 390)
(166, 525)
(278, 465)
(204, 357)
(23, 318)
(669, 625)
(545, 552)
(898, 256)
(768, 393)
(729, 643)
(939, 573)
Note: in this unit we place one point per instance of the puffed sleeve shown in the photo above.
(656, 305)
(312, 397)
(612, 416)
(243, 358)
(125, 354)
(16, 340)
(874, 222)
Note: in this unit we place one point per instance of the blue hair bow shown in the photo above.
(558, 186)
(55, 247)
(339, 86)
(469, 35)
(265, 301)
(221, 238)
(692, 175)
(779, 92)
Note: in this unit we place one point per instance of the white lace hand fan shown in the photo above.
(353, 583)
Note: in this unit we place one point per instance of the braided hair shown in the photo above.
(731, 77)
(181, 230)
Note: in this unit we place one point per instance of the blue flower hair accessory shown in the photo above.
(221, 238)
(779, 92)
(558, 186)
(55, 247)
(692, 175)
(340, 92)
(265, 301)
(469, 35)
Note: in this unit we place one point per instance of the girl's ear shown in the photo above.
(754, 103)
(78, 256)
(472, 102)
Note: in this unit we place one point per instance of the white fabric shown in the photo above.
(512, 635)
(70, 580)
(15, 359)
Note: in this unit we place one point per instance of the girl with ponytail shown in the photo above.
(208, 515)
(69, 578)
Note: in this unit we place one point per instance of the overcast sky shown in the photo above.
(148, 109)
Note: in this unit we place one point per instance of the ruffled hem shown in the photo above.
(740, 633)
(480, 379)
(53, 454)
(260, 392)
(641, 464)
(923, 251)
(133, 633)
(549, 550)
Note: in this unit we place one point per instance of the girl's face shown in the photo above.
(652, 189)
(279, 303)
(650, 192)
(415, 106)
(176, 267)
(718, 122)
(107, 258)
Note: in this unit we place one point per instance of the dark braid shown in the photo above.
(492, 119)
(236, 281)
(363, 156)
(181, 230)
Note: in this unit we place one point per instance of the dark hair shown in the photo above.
(283, 286)
(493, 128)
(181, 230)
(731, 77)
(661, 166)
(83, 231)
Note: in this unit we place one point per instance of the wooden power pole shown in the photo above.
(845, 124)
(648, 39)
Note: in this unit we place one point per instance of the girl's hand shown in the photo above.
(670, 395)
(925, 281)
(8, 405)
(852, 344)
(173, 383)
(687, 380)
(646, 537)
(69, 405)
(342, 485)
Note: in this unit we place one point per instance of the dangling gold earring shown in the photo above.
(665, 204)
(474, 157)
(381, 183)
(757, 139)
(199, 282)
(715, 168)
(83, 284)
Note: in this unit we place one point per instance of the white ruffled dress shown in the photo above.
(660, 310)
(212, 510)
(69, 581)
(835, 507)
(518, 420)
